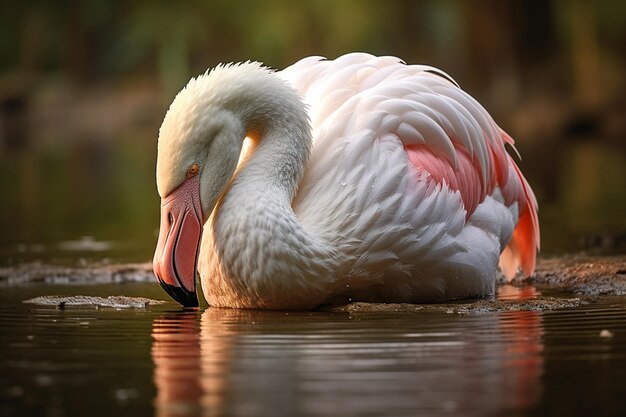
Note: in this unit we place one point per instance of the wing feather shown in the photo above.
(377, 122)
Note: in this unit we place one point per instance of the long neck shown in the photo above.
(263, 248)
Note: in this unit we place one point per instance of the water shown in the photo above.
(91, 202)
(219, 362)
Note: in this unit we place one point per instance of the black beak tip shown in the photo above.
(181, 295)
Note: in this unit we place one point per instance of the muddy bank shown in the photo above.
(119, 301)
(469, 307)
(583, 275)
(93, 274)
(577, 274)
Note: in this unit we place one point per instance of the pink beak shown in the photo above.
(176, 253)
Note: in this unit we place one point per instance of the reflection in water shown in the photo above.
(176, 354)
(523, 360)
(239, 362)
(512, 292)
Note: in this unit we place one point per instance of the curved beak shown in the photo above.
(177, 249)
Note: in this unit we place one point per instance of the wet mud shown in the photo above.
(116, 302)
(38, 273)
(468, 307)
(584, 277)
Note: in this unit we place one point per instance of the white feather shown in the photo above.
(347, 215)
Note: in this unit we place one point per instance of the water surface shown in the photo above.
(220, 362)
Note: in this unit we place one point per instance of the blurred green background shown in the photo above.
(85, 84)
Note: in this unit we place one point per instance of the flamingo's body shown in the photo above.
(399, 190)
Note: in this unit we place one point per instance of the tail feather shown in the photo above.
(521, 251)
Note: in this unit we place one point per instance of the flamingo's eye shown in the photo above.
(193, 170)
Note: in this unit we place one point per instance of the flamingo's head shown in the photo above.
(199, 146)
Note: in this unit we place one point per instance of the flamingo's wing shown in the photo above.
(407, 120)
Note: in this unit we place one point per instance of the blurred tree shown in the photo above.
(71, 71)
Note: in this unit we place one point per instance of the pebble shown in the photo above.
(607, 334)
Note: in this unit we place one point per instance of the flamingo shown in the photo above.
(360, 178)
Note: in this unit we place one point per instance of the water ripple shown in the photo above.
(249, 363)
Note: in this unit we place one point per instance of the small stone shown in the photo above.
(606, 333)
